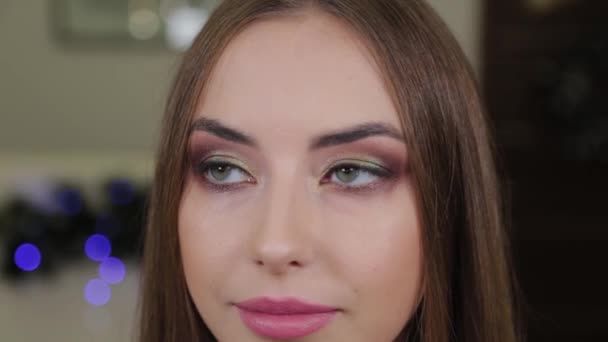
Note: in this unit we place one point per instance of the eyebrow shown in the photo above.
(354, 133)
(333, 138)
(222, 131)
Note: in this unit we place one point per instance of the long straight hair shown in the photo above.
(469, 283)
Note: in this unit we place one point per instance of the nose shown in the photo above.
(282, 241)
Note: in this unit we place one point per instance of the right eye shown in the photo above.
(222, 173)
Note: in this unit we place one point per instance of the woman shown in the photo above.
(325, 174)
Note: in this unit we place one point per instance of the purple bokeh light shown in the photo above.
(97, 292)
(97, 247)
(112, 270)
(27, 257)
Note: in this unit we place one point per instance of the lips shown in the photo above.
(284, 318)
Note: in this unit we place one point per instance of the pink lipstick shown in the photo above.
(284, 318)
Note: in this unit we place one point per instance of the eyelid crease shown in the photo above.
(346, 155)
(364, 162)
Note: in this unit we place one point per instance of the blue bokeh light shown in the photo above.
(97, 292)
(112, 270)
(98, 247)
(27, 257)
(70, 202)
(121, 192)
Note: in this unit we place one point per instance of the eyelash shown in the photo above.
(382, 173)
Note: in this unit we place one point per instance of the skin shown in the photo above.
(287, 225)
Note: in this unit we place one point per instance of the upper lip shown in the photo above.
(283, 306)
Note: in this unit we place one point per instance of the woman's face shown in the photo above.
(298, 220)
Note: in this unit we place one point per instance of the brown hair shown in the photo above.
(469, 285)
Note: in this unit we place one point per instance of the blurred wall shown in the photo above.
(78, 99)
(74, 99)
(53, 308)
(464, 17)
(81, 114)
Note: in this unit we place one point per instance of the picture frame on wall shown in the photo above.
(94, 23)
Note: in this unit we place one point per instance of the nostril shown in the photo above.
(292, 263)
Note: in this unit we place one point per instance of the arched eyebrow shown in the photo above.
(354, 133)
(222, 131)
(339, 137)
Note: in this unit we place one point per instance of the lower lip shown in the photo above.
(285, 326)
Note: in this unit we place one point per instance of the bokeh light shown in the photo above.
(144, 24)
(107, 225)
(121, 192)
(97, 292)
(98, 247)
(27, 257)
(70, 202)
(182, 25)
(112, 270)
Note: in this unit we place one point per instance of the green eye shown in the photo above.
(347, 174)
(220, 172)
(357, 174)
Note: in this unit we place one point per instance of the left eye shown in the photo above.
(355, 175)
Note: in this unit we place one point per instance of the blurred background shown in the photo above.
(82, 86)
(545, 81)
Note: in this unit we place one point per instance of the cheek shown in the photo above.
(380, 256)
(382, 251)
(208, 243)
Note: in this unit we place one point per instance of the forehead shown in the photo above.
(297, 74)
